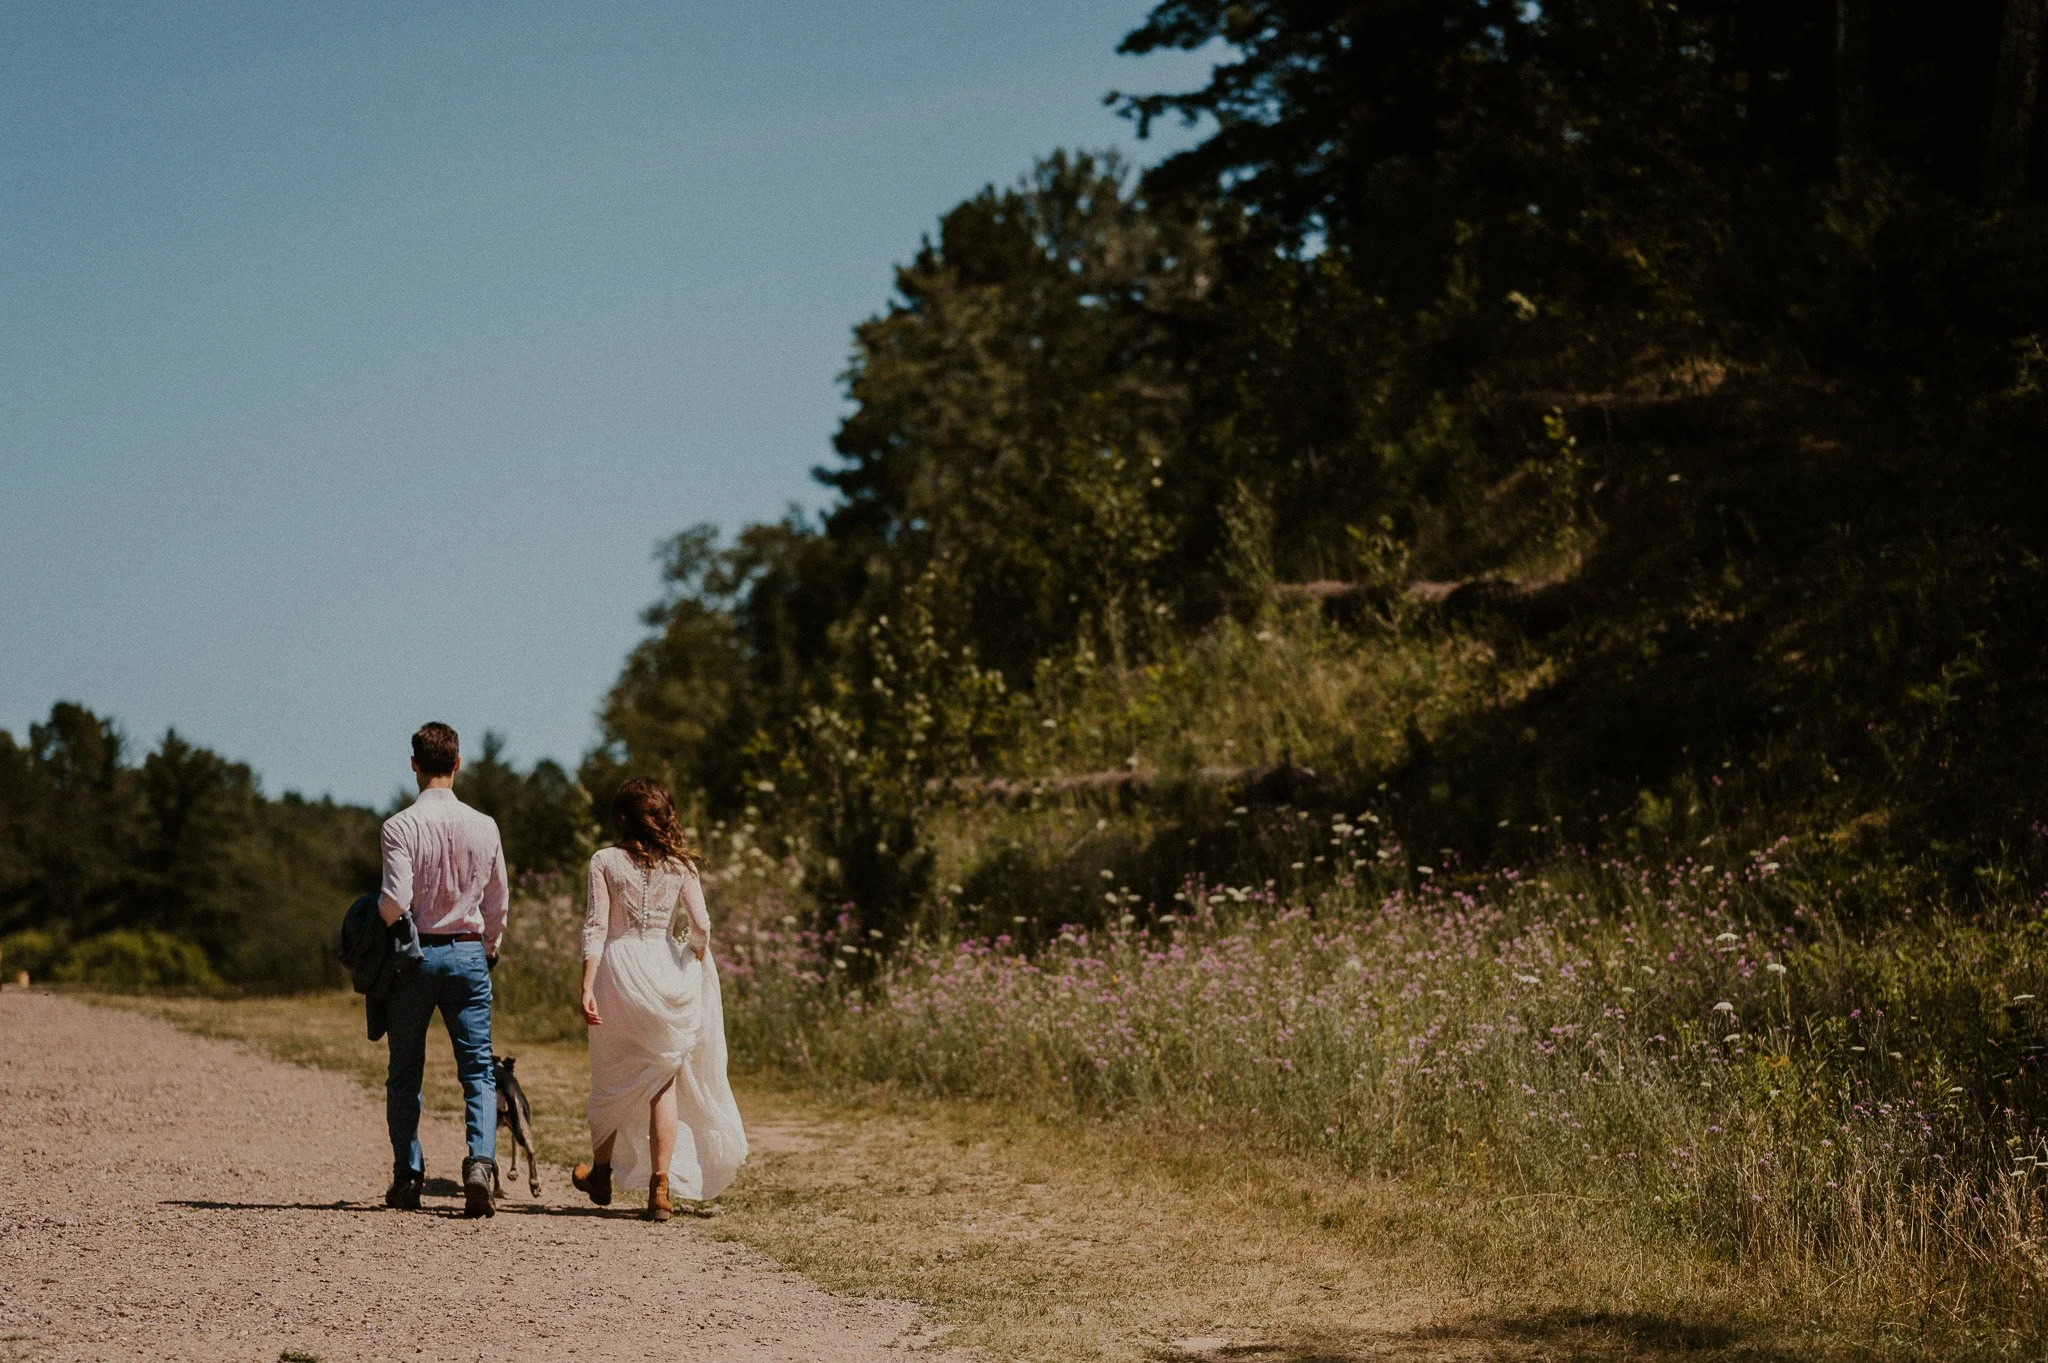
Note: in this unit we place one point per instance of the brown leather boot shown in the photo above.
(659, 1208)
(594, 1180)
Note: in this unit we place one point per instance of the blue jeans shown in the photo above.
(456, 980)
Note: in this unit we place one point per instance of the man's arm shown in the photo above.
(395, 896)
(497, 895)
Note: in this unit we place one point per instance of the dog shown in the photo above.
(514, 1112)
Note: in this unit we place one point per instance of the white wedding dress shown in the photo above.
(663, 1021)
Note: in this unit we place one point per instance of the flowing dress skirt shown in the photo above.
(663, 1021)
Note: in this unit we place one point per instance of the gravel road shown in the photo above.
(167, 1197)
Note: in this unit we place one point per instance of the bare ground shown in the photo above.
(171, 1197)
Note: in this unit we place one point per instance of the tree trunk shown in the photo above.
(2013, 100)
(1852, 76)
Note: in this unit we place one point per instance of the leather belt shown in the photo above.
(443, 939)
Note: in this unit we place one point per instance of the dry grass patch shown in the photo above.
(1057, 1241)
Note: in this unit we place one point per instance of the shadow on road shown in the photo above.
(203, 1205)
(540, 1209)
(1552, 1336)
(504, 1208)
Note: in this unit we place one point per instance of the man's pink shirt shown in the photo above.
(443, 860)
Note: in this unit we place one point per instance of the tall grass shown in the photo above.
(1701, 1048)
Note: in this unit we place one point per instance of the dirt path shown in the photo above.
(168, 1197)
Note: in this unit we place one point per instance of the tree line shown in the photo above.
(177, 871)
(174, 870)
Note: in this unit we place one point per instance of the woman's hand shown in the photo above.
(590, 1009)
(697, 949)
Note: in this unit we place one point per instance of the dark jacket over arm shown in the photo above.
(376, 955)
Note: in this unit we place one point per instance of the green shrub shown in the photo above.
(130, 962)
(293, 947)
(32, 950)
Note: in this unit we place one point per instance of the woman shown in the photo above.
(657, 1028)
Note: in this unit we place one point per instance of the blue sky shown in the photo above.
(356, 357)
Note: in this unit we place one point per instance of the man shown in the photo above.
(444, 865)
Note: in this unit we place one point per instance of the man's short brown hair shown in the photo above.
(436, 749)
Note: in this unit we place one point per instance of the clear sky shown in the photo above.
(354, 357)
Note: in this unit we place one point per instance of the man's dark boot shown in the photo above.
(404, 1192)
(476, 1186)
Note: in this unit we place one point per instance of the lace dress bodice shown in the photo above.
(630, 899)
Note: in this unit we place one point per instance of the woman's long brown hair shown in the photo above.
(645, 815)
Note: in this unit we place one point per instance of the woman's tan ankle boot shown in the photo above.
(658, 1205)
(594, 1180)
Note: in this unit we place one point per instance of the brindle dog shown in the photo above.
(514, 1112)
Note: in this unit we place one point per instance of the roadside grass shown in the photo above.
(1704, 1061)
(1045, 1239)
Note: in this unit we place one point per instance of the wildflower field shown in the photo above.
(1695, 1045)
(1711, 1052)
